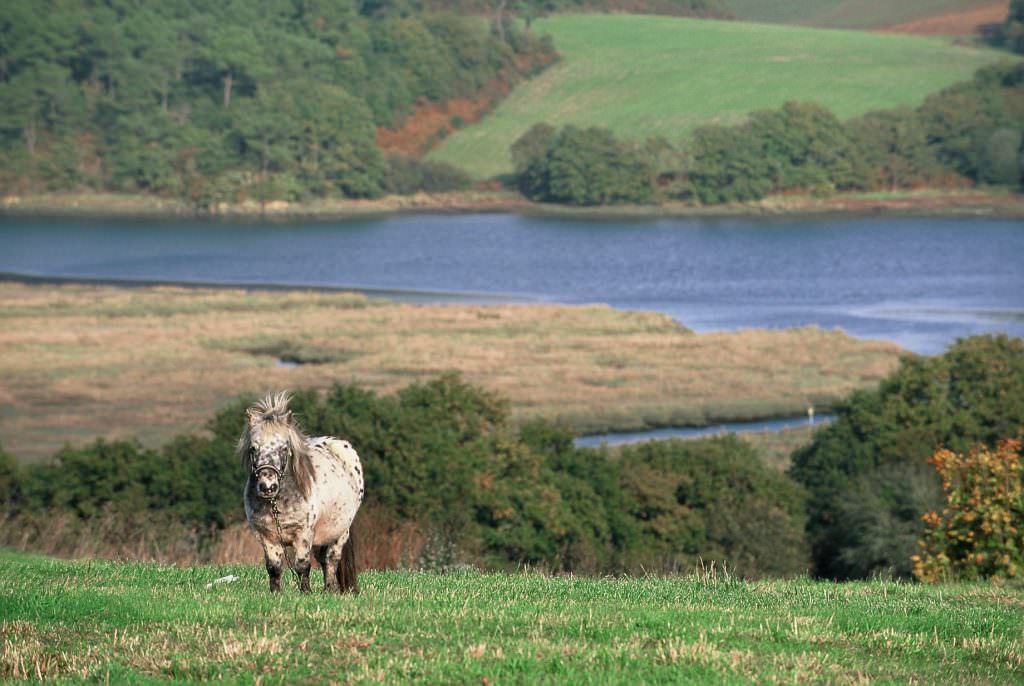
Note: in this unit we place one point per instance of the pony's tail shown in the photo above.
(348, 577)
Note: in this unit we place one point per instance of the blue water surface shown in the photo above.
(920, 282)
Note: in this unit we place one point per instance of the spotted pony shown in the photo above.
(302, 493)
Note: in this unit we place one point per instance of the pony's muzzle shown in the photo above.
(267, 490)
(268, 483)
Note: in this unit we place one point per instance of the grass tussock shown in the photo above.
(85, 361)
(382, 542)
(104, 621)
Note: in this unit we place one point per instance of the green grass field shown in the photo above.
(658, 76)
(849, 14)
(138, 623)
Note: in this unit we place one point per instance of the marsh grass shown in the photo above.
(85, 361)
(128, 623)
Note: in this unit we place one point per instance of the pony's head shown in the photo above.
(272, 447)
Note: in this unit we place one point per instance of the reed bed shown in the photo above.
(81, 361)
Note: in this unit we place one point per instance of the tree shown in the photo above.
(1013, 27)
(959, 122)
(1001, 158)
(235, 55)
(726, 165)
(980, 532)
(35, 100)
(582, 167)
(893, 149)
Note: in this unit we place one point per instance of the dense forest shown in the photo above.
(442, 457)
(969, 133)
(214, 101)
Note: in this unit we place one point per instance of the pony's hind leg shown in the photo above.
(340, 572)
(333, 555)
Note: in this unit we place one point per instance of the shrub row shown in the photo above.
(443, 455)
(972, 132)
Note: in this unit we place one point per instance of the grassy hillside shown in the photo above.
(658, 76)
(130, 623)
(83, 361)
(849, 14)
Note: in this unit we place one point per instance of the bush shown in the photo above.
(974, 393)
(581, 167)
(880, 512)
(980, 532)
(712, 500)
(1011, 33)
(802, 146)
(10, 482)
(407, 175)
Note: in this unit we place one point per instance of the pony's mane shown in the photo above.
(273, 411)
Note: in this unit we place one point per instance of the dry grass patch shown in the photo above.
(83, 361)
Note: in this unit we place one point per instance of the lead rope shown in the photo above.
(280, 537)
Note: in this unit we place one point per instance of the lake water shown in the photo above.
(624, 437)
(919, 282)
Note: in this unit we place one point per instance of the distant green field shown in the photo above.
(108, 622)
(657, 76)
(848, 14)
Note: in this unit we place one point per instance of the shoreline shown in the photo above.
(924, 203)
(405, 295)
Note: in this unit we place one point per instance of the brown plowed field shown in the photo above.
(963, 23)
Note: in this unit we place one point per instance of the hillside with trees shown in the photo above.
(214, 104)
(216, 101)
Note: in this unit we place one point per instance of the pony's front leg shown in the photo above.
(302, 548)
(273, 557)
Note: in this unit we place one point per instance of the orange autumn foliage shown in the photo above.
(980, 532)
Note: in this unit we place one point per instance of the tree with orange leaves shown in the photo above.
(980, 532)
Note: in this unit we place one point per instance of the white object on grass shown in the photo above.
(223, 580)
